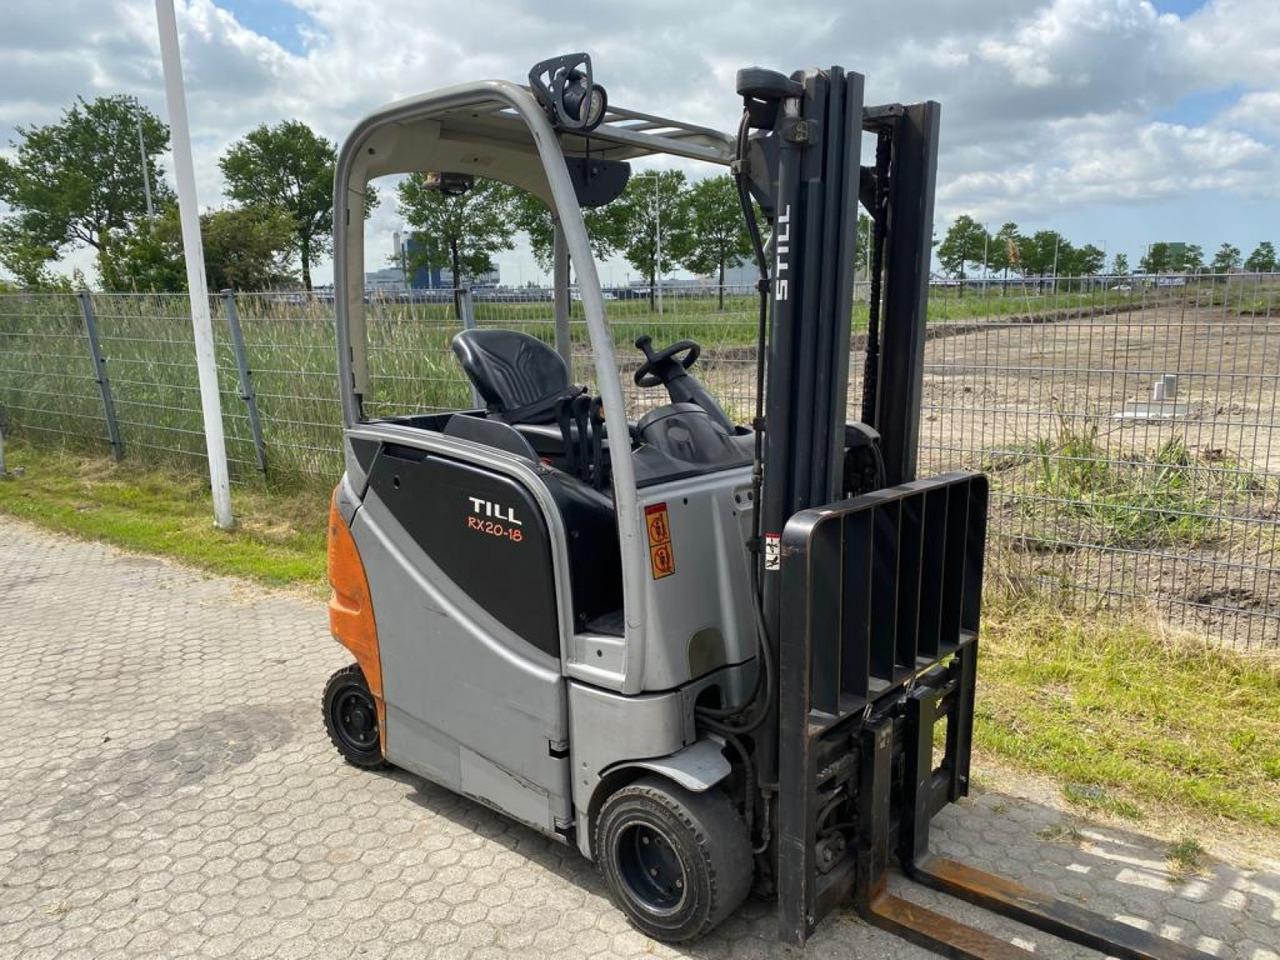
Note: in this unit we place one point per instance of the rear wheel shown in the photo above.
(677, 862)
(351, 717)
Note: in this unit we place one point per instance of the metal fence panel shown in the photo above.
(1126, 423)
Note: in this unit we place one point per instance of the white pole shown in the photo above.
(1056, 241)
(657, 215)
(202, 325)
(146, 172)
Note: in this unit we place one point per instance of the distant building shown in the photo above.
(423, 277)
(387, 280)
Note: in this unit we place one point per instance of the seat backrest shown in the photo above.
(513, 372)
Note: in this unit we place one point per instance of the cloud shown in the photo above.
(1046, 103)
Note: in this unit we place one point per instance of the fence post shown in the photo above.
(100, 374)
(2, 470)
(467, 308)
(246, 378)
(560, 295)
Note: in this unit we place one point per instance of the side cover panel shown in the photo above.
(474, 700)
(483, 530)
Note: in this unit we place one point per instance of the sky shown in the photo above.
(1117, 122)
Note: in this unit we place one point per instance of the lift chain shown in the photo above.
(879, 218)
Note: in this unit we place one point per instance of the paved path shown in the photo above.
(166, 790)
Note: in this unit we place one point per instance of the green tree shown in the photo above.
(1044, 252)
(459, 231)
(245, 248)
(1120, 265)
(657, 199)
(1086, 261)
(533, 216)
(1188, 259)
(1158, 259)
(1003, 255)
(1263, 258)
(78, 182)
(1226, 259)
(866, 236)
(964, 242)
(289, 168)
(716, 234)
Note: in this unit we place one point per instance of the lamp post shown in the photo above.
(193, 248)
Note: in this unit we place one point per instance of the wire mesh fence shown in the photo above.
(1126, 423)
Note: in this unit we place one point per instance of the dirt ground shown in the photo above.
(1024, 398)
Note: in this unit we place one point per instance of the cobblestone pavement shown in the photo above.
(166, 790)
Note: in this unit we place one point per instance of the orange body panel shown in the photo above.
(351, 608)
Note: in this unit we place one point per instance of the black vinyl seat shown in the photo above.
(520, 378)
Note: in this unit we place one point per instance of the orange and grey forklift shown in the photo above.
(713, 656)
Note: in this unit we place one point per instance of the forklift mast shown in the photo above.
(870, 591)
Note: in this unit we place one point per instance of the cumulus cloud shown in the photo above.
(1046, 102)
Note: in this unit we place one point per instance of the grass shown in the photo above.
(48, 388)
(279, 539)
(1162, 497)
(1128, 721)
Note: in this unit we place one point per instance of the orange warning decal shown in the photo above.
(662, 556)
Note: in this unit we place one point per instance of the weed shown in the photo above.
(1185, 857)
(1157, 499)
(1062, 832)
(1093, 797)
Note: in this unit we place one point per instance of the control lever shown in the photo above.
(597, 443)
(582, 418)
(563, 413)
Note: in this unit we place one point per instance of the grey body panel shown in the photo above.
(474, 707)
(469, 703)
(697, 768)
(610, 731)
(700, 618)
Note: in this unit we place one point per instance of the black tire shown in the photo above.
(351, 717)
(676, 862)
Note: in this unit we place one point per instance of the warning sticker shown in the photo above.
(772, 551)
(662, 556)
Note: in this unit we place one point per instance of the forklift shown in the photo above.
(715, 657)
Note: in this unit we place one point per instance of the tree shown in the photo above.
(459, 231)
(1044, 252)
(1004, 249)
(1157, 259)
(79, 182)
(1086, 261)
(716, 232)
(965, 241)
(534, 217)
(649, 201)
(1263, 258)
(1188, 258)
(1120, 265)
(289, 168)
(245, 248)
(866, 237)
(1226, 259)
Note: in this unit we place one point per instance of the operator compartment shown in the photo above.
(693, 476)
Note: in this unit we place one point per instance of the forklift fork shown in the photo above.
(924, 790)
(880, 646)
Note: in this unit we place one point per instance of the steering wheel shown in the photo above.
(651, 373)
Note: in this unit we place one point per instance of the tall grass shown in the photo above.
(48, 390)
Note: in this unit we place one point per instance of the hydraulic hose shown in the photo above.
(729, 720)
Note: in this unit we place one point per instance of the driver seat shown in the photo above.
(520, 378)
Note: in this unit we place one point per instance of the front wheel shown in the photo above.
(351, 717)
(676, 862)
